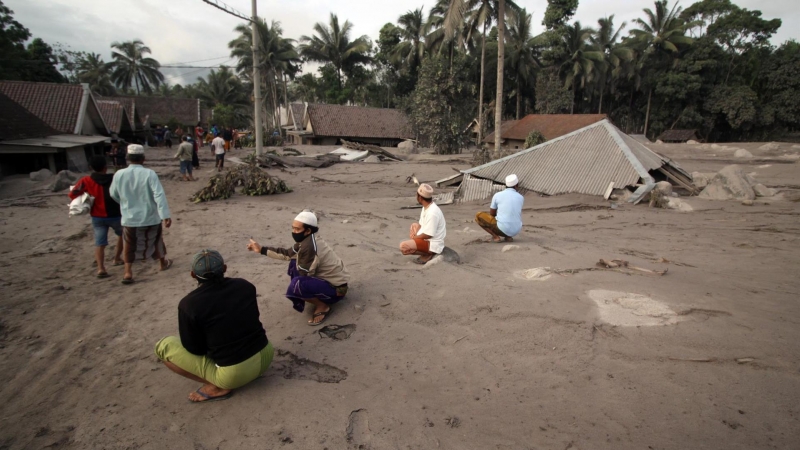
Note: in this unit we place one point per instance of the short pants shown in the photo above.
(171, 350)
(221, 159)
(101, 226)
(186, 166)
(486, 220)
(414, 246)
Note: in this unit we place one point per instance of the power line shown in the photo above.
(224, 7)
(199, 60)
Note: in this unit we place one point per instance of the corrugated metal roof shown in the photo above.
(584, 161)
(473, 188)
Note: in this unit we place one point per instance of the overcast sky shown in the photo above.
(179, 31)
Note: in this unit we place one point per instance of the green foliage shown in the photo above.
(250, 177)
(132, 68)
(442, 104)
(551, 96)
(534, 138)
(36, 62)
(736, 104)
(558, 13)
(331, 44)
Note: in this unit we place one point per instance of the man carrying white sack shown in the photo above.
(318, 275)
(426, 238)
(504, 219)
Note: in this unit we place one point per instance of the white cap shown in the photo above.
(308, 218)
(512, 180)
(135, 149)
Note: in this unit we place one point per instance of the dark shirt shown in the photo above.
(227, 135)
(220, 320)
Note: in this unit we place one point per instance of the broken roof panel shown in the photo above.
(584, 161)
(550, 125)
(358, 122)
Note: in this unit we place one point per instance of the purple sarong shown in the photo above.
(302, 287)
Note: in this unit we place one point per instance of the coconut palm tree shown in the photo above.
(412, 49)
(132, 68)
(331, 44)
(481, 14)
(93, 70)
(521, 61)
(222, 87)
(581, 58)
(606, 39)
(277, 57)
(661, 34)
(498, 112)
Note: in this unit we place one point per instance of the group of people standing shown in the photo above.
(222, 343)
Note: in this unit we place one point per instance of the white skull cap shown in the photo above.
(308, 218)
(135, 149)
(512, 180)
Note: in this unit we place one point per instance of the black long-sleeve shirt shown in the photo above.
(220, 320)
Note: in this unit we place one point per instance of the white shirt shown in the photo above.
(432, 221)
(219, 145)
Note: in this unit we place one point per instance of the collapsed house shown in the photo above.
(679, 136)
(116, 117)
(332, 124)
(49, 125)
(593, 160)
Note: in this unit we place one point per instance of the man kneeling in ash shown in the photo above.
(318, 275)
(222, 343)
(504, 219)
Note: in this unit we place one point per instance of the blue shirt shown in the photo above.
(508, 204)
(140, 196)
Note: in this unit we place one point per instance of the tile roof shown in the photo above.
(678, 135)
(17, 122)
(58, 105)
(358, 122)
(113, 113)
(130, 108)
(550, 125)
(584, 161)
(160, 110)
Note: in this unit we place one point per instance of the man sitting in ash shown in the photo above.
(318, 275)
(504, 219)
(426, 238)
(222, 343)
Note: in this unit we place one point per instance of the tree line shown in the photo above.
(709, 67)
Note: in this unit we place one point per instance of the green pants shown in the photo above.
(171, 350)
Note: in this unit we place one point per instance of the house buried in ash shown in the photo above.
(593, 160)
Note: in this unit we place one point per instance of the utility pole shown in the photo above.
(257, 86)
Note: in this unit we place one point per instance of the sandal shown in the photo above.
(127, 281)
(324, 316)
(420, 261)
(169, 264)
(209, 398)
(103, 275)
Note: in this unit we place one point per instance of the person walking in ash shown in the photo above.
(227, 135)
(426, 237)
(168, 137)
(105, 212)
(199, 133)
(318, 275)
(218, 145)
(195, 155)
(504, 219)
(222, 343)
(185, 155)
(145, 212)
(118, 154)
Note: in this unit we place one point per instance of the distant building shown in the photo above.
(678, 136)
(551, 126)
(55, 126)
(330, 124)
